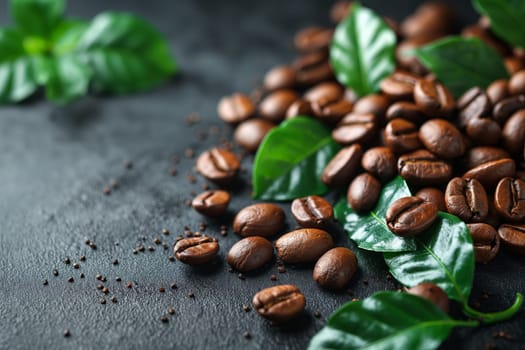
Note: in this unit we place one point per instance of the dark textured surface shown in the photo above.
(54, 164)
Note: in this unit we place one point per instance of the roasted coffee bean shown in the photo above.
(514, 133)
(513, 64)
(331, 111)
(279, 303)
(355, 128)
(325, 91)
(261, 219)
(249, 134)
(513, 237)
(312, 211)
(235, 108)
(405, 110)
(473, 104)
(483, 131)
(433, 98)
(299, 107)
(408, 61)
(335, 268)
(489, 173)
(410, 216)
(422, 168)
(375, 104)
(432, 293)
(467, 199)
(507, 107)
(274, 106)
(250, 253)
(498, 90)
(509, 199)
(434, 196)
(313, 39)
(339, 10)
(343, 166)
(218, 165)
(380, 162)
(196, 250)
(399, 85)
(486, 241)
(363, 192)
(432, 20)
(303, 246)
(402, 136)
(280, 77)
(442, 138)
(313, 68)
(517, 82)
(482, 154)
(211, 203)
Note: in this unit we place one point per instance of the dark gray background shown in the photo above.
(54, 163)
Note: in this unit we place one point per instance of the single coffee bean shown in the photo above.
(509, 199)
(335, 268)
(303, 246)
(355, 128)
(513, 237)
(313, 39)
(375, 104)
(363, 192)
(517, 82)
(433, 98)
(279, 303)
(514, 132)
(410, 216)
(473, 104)
(410, 62)
(422, 168)
(235, 108)
(274, 106)
(218, 165)
(340, 9)
(250, 253)
(196, 250)
(442, 138)
(312, 211)
(261, 219)
(432, 293)
(486, 241)
(399, 85)
(507, 107)
(489, 173)
(331, 111)
(498, 90)
(380, 162)
(330, 91)
(280, 77)
(514, 65)
(299, 107)
(343, 166)
(211, 203)
(434, 196)
(483, 131)
(402, 136)
(249, 134)
(467, 199)
(482, 154)
(313, 68)
(432, 19)
(406, 110)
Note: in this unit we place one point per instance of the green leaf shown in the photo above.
(17, 80)
(506, 18)
(462, 63)
(291, 159)
(126, 53)
(37, 17)
(386, 320)
(370, 231)
(362, 50)
(66, 36)
(444, 256)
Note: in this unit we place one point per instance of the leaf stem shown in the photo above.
(493, 317)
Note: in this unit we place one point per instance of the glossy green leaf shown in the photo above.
(37, 17)
(291, 159)
(362, 50)
(444, 256)
(67, 35)
(386, 320)
(126, 54)
(369, 231)
(462, 63)
(507, 18)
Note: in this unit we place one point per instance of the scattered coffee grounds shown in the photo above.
(45, 282)
(102, 301)
(171, 311)
(55, 272)
(71, 280)
(66, 333)
(164, 319)
(76, 265)
(67, 261)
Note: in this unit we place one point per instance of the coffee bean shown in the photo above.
(402, 136)
(513, 237)
(380, 162)
(405, 110)
(434, 196)
(262, 219)
(324, 91)
(489, 173)
(335, 268)
(498, 90)
(433, 98)
(483, 131)
(313, 39)
(509, 199)
(432, 293)
(196, 250)
(250, 253)
(235, 108)
(312, 211)
(303, 246)
(410, 216)
(363, 192)
(422, 168)
(467, 199)
(486, 241)
(355, 128)
(514, 132)
(409, 61)
(249, 134)
(399, 85)
(442, 138)
(517, 83)
(330, 111)
(280, 77)
(375, 104)
(211, 203)
(482, 154)
(274, 106)
(298, 108)
(339, 10)
(343, 166)
(279, 303)
(431, 20)
(473, 104)
(507, 107)
(486, 35)
(313, 68)
(218, 165)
